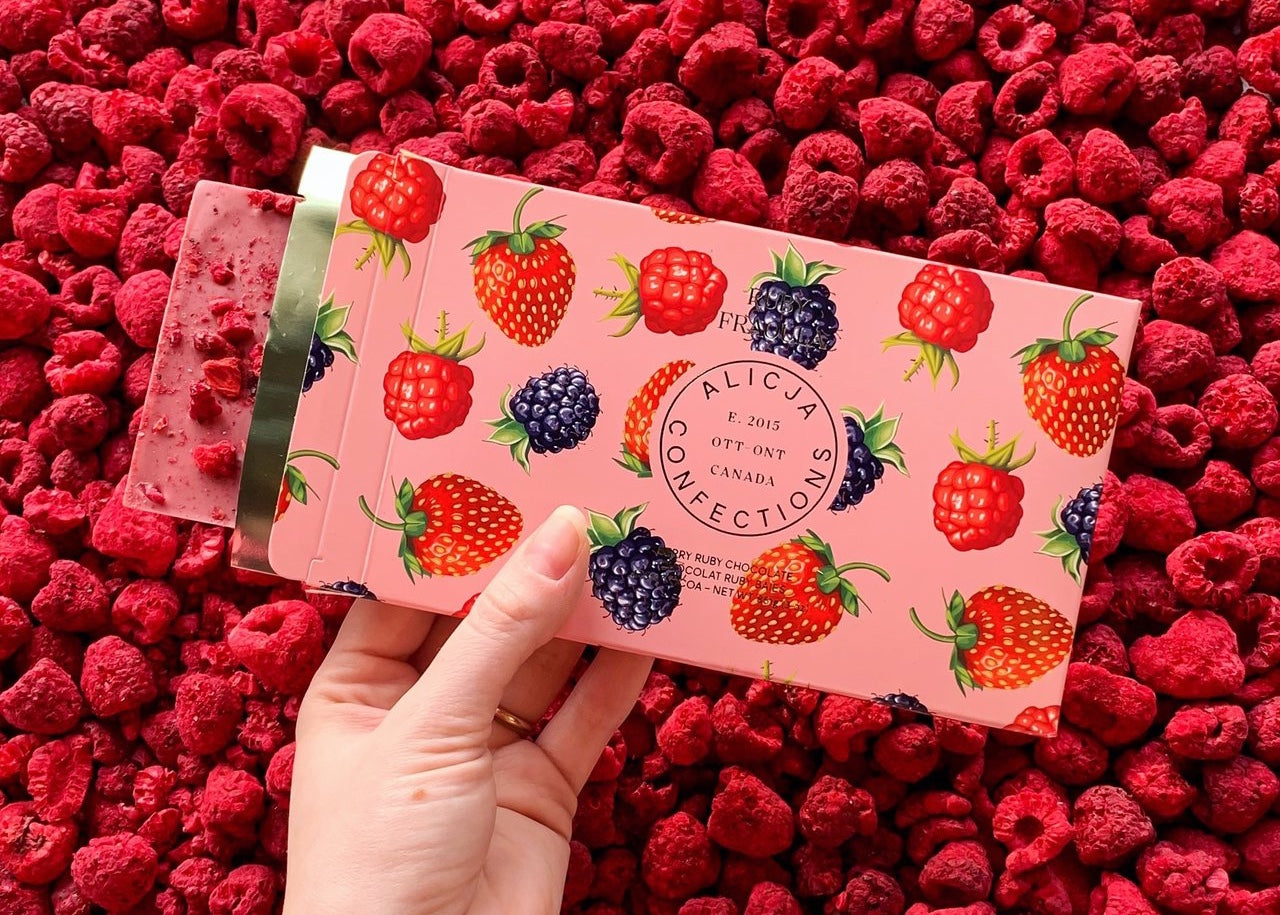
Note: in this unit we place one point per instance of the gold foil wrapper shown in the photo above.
(284, 359)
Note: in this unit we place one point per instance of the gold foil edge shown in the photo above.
(293, 320)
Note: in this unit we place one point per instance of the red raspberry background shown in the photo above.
(149, 693)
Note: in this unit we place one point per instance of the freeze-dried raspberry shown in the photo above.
(115, 871)
(1249, 267)
(260, 126)
(279, 777)
(1114, 708)
(1034, 826)
(249, 889)
(513, 73)
(87, 298)
(685, 737)
(219, 460)
(58, 777)
(79, 422)
(1109, 826)
(1012, 38)
(387, 50)
(1189, 211)
(303, 62)
(893, 130)
(748, 817)
(833, 811)
(1038, 168)
(24, 149)
(1220, 495)
(22, 468)
(1181, 136)
(1240, 411)
(1187, 290)
(807, 93)
(145, 542)
(1257, 58)
(84, 362)
(1214, 569)
(33, 850)
(1151, 501)
(804, 28)
(665, 143)
(1172, 356)
(963, 115)
(907, 752)
(140, 306)
(679, 859)
(24, 305)
(958, 874)
(74, 600)
(1197, 658)
(941, 27)
(116, 677)
(195, 19)
(25, 557)
(1237, 794)
(1096, 79)
(1073, 756)
(44, 700)
(208, 710)
(281, 643)
(490, 128)
(1207, 732)
(723, 65)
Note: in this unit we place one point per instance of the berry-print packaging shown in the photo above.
(802, 460)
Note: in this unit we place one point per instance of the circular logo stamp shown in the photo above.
(749, 448)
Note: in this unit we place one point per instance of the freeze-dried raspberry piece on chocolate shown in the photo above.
(1197, 658)
(281, 643)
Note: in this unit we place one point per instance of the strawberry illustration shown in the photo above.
(1072, 386)
(524, 278)
(641, 410)
(795, 593)
(1003, 638)
(395, 199)
(977, 501)
(1039, 722)
(943, 310)
(679, 217)
(452, 525)
(674, 290)
(293, 487)
(427, 388)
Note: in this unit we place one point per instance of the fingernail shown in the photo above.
(553, 548)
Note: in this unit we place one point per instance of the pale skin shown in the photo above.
(408, 798)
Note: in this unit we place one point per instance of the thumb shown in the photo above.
(521, 610)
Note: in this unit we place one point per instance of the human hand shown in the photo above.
(408, 798)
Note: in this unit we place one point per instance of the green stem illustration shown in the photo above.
(385, 525)
(1066, 322)
(307, 452)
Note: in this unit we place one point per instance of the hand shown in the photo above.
(408, 798)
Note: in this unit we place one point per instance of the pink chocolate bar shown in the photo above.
(187, 461)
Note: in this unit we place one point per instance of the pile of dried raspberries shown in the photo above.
(149, 694)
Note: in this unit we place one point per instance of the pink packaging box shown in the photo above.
(802, 460)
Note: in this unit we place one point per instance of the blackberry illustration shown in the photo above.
(633, 572)
(905, 702)
(552, 412)
(330, 337)
(871, 446)
(1071, 536)
(354, 588)
(1080, 516)
(792, 314)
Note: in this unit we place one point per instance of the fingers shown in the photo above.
(536, 685)
(368, 663)
(577, 734)
(521, 610)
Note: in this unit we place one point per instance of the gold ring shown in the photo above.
(513, 722)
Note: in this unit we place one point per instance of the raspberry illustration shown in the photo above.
(396, 199)
(451, 525)
(675, 291)
(943, 309)
(353, 588)
(553, 412)
(792, 314)
(294, 487)
(1072, 386)
(641, 410)
(427, 389)
(977, 501)
(1038, 722)
(905, 702)
(794, 593)
(330, 336)
(678, 217)
(1003, 638)
(871, 446)
(524, 278)
(1071, 535)
(633, 571)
